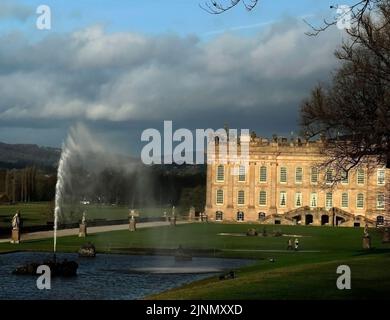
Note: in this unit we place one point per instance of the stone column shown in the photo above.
(15, 236)
(132, 224)
(82, 230)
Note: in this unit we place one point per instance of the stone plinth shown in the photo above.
(132, 225)
(83, 230)
(15, 236)
(173, 221)
(386, 236)
(366, 243)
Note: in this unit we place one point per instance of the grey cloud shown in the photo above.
(13, 10)
(94, 75)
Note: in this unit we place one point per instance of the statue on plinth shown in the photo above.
(83, 227)
(366, 238)
(132, 222)
(16, 228)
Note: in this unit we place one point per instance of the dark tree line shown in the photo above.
(27, 185)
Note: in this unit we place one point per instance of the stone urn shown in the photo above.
(87, 250)
(252, 232)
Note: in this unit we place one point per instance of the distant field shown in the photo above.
(39, 213)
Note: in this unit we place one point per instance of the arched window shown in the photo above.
(344, 200)
(220, 173)
(314, 175)
(219, 216)
(220, 196)
(360, 201)
(283, 199)
(329, 176)
(240, 216)
(298, 199)
(263, 198)
(263, 174)
(298, 175)
(283, 174)
(381, 177)
(241, 197)
(313, 200)
(242, 173)
(360, 176)
(329, 200)
(380, 201)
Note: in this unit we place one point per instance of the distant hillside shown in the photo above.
(22, 155)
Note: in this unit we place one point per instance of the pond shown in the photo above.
(108, 276)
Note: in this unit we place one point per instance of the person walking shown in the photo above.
(289, 244)
(296, 244)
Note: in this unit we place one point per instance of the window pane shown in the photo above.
(313, 200)
(314, 175)
(241, 173)
(381, 176)
(282, 200)
(329, 200)
(344, 200)
(263, 174)
(241, 197)
(344, 177)
(283, 174)
(329, 176)
(298, 199)
(380, 201)
(220, 173)
(360, 201)
(360, 176)
(263, 198)
(219, 196)
(298, 175)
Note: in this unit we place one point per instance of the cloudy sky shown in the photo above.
(122, 66)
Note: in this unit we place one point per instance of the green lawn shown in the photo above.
(308, 273)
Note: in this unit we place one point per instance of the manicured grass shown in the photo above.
(308, 273)
(32, 213)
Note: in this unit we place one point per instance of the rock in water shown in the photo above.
(87, 250)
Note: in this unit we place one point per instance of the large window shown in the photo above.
(360, 201)
(344, 177)
(240, 216)
(263, 174)
(329, 200)
(263, 198)
(241, 197)
(219, 196)
(380, 201)
(242, 173)
(314, 175)
(360, 176)
(344, 200)
(298, 199)
(220, 173)
(298, 175)
(219, 216)
(283, 174)
(381, 177)
(329, 176)
(283, 199)
(313, 200)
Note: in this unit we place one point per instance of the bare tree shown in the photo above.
(353, 112)
(218, 7)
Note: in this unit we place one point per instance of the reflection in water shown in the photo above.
(108, 276)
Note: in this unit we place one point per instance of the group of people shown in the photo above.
(290, 244)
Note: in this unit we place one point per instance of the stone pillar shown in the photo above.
(15, 236)
(173, 221)
(386, 236)
(132, 224)
(82, 230)
(366, 242)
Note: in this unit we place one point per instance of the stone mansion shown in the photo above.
(282, 184)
